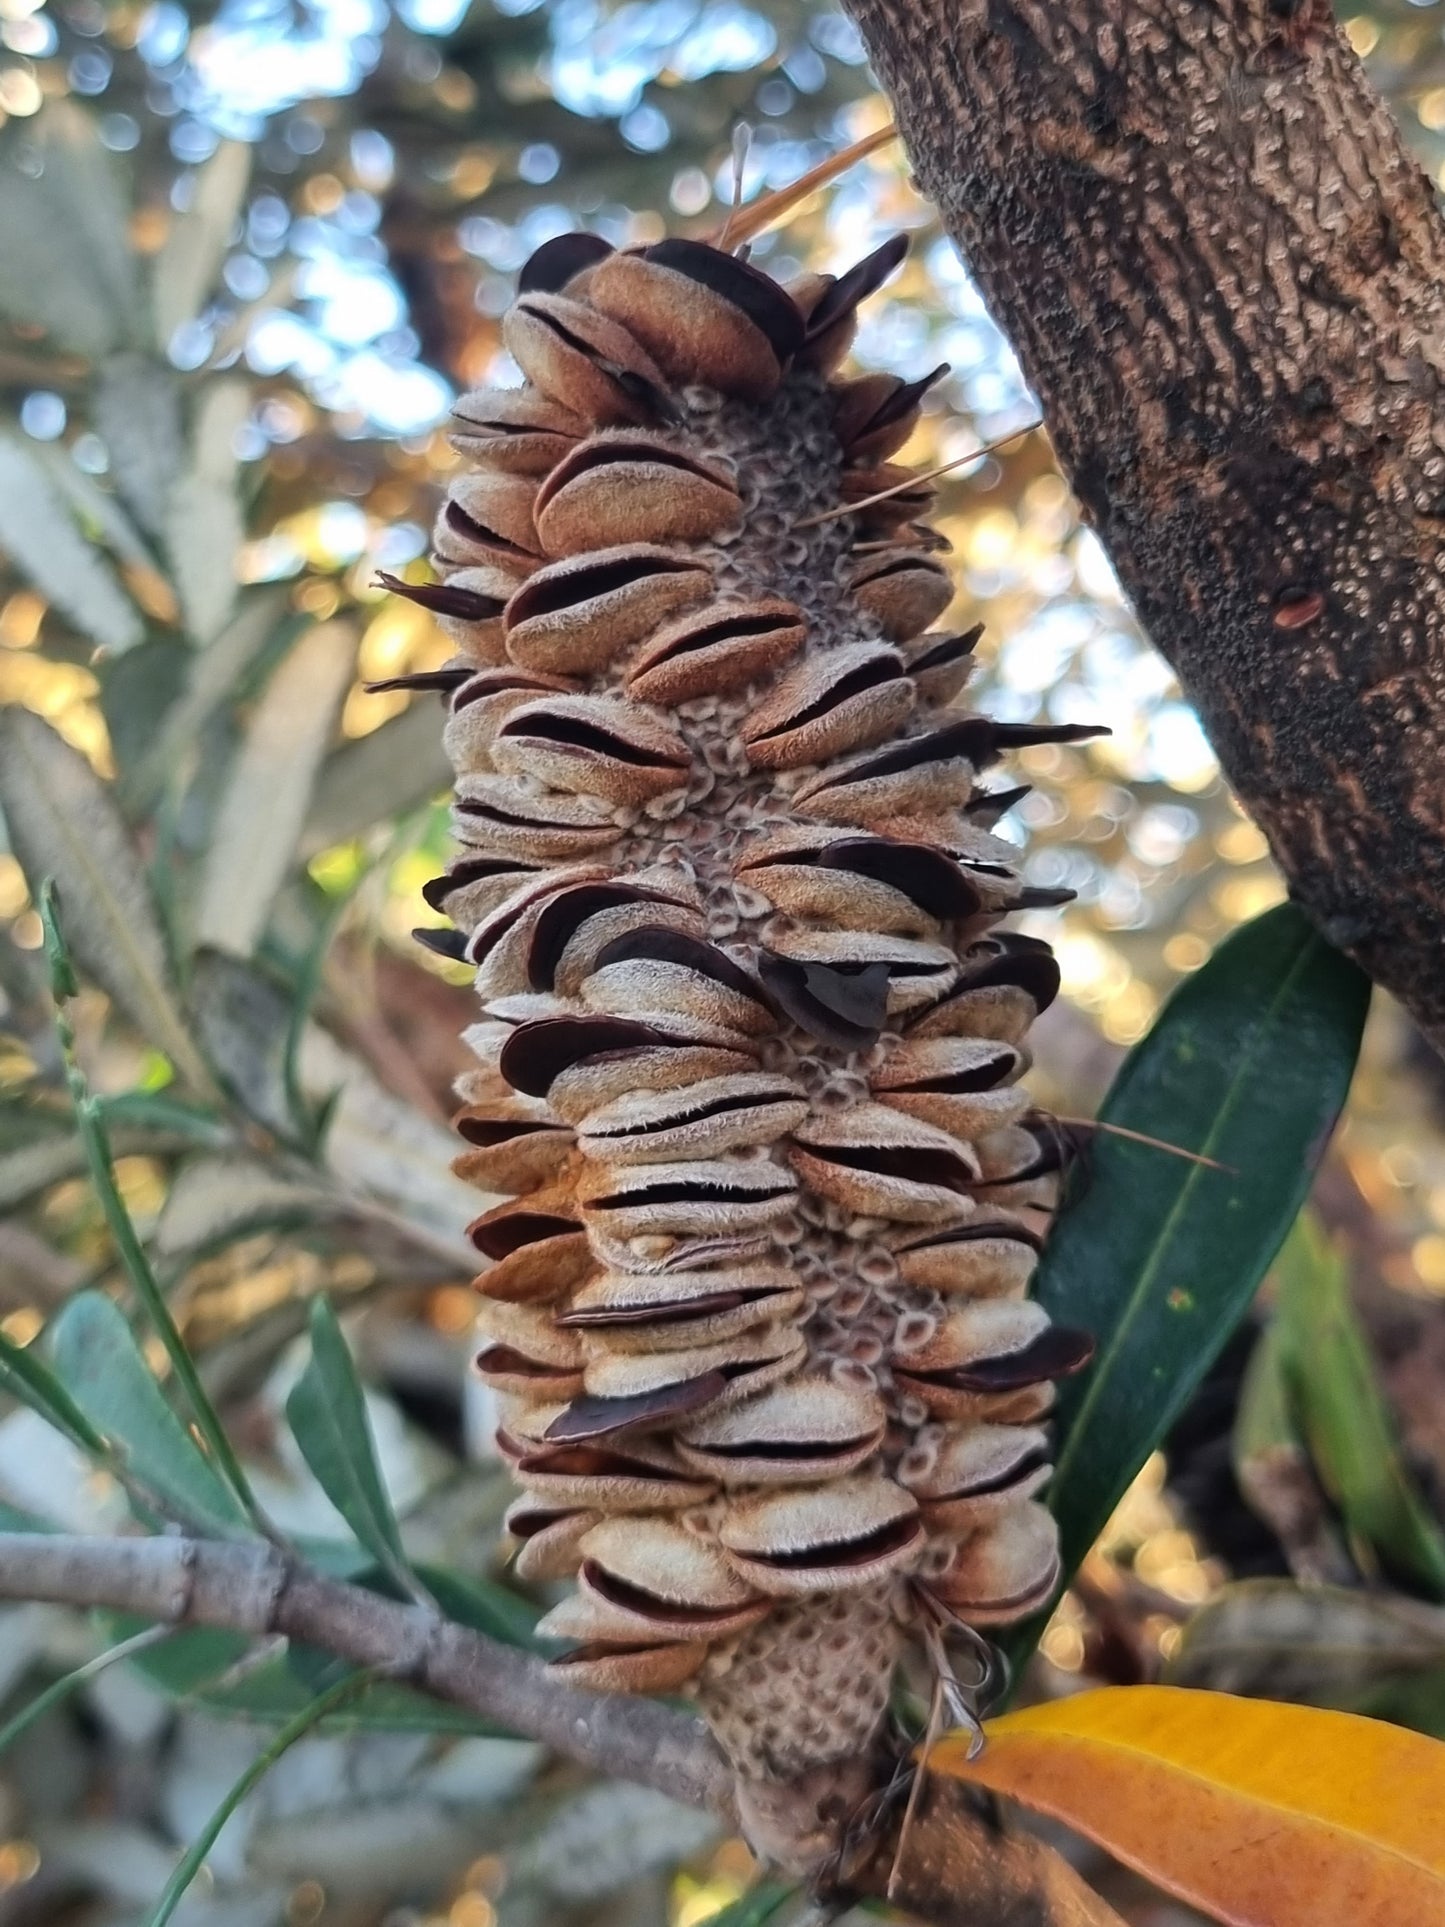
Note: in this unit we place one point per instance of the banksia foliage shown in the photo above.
(757, 1310)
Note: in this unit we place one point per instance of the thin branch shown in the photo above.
(255, 1589)
(959, 1867)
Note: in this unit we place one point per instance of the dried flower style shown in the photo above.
(757, 1313)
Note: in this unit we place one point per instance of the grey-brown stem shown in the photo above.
(1222, 269)
(958, 1868)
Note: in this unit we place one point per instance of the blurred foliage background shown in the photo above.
(248, 256)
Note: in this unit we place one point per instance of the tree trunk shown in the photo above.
(1222, 272)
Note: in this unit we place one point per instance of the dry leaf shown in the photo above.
(1259, 1814)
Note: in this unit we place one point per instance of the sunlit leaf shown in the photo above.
(754, 1908)
(1258, 1814)
(395, 769)
(96, 1358)
(216, 673)
(203, 525)
(1343, 1416)
(1158, 1256)
(327, 1414)
(65, 259)
(268, 789)
(137, 403)
(188, 263)
(39, 533)
(63, 824)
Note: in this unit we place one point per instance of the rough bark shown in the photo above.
(1222, 272)
(958, 1867)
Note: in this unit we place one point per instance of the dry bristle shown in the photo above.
(757, 1314)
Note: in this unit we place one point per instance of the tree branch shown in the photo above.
(960, 1868)
(1222, 269)
(252, 1588)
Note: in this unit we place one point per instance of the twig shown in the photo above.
(959, 1867)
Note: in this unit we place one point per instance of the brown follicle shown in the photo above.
(756, 1315)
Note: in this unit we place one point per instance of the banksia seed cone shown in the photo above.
(756, 1316)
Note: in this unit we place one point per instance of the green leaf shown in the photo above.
(377, 778)
(269, 786)
(64, 825)
(1159, 1257)
(96, 1358)
(61, 1689)
(757, 1906)
(26, 1377)
(188, 263)
(295, 1729)
(217, 672)
(203, 525)
(327, 1414)
(485, 1606)
(222, 1673)
(136, 401)
(38, 531)
(65, 259)
(1343, 1416)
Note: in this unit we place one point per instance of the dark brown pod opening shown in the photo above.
(657, 944)
(925, 876)
(854, 287)
(471, 870)
(549, 268)
(466, 605)
(451, 944)
(497, 1234)
(589, 1418)
(1059, 1352)
(839, 1005)
(768, 306)
(892, 1537)
(537, 1053)
(563, 587)
(564, 915)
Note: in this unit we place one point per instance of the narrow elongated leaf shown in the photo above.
(63, 824)
(225, 1674)
(128, 1246)
(26, 1377)
(216, 673)
(1342, 1413)
(96, 1358)
(754, 1908)
(1323, 1645)
(266, 796)
(137, 402)
(1248, 1065)
(190, 260)
(61, 1689)
(1258, 1814)
(304, 1722)
(65, 262)
(327, 1413)
(39, 533)
(395, 769)
(215, 1201)
(203, 525)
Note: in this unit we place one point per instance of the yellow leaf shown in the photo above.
(1259, 1814)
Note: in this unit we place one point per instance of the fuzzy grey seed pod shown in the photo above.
(756, 1311)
